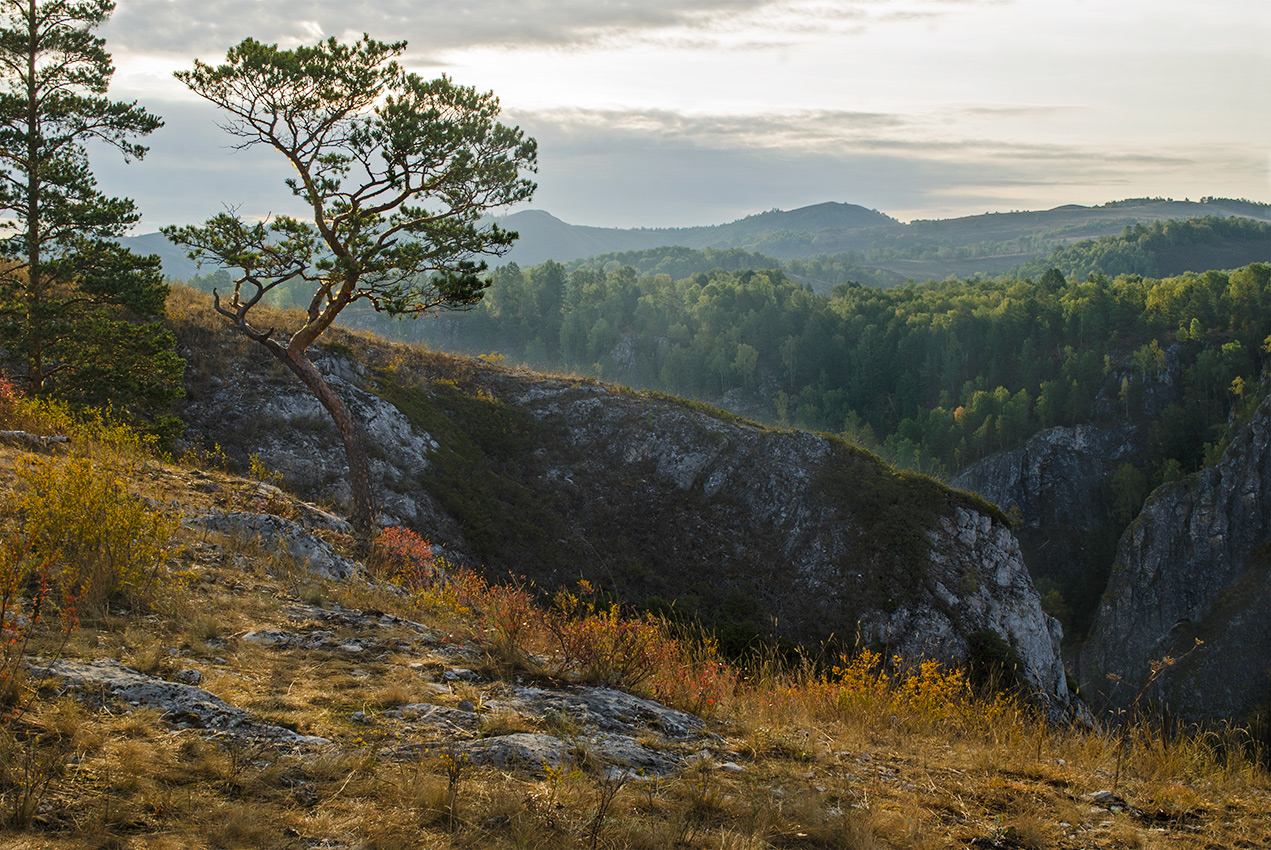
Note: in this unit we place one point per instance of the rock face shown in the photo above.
(660, 502)
(772, 517)
(259, 411)
(1054, 481)
(278, 533)
(1195, 564)
(180, 704)
(1054, 487)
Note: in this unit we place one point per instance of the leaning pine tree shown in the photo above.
(395, 173)
(80, 316)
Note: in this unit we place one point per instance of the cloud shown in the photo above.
(802, 130)
(660, 168)
(434, 27)
(653, 168)
(819, 131)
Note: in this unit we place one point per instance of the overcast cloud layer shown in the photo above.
(438, 26)
(678, 112)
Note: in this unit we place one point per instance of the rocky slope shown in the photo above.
(276, 700)
(660, 503)
(1195, 564)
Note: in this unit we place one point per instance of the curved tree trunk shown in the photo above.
(364, 511)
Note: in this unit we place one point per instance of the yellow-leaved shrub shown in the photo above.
(105, 544)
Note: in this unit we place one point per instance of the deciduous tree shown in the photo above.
(395, 173)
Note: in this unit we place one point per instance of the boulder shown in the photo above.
(275, 533)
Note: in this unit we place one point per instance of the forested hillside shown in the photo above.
(934, 376)
(826, 244)
(921, 249)
(1163, 248)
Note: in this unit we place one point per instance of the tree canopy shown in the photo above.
(395, 172)
(78, 313)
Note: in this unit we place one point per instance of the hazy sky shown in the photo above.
(679, 112)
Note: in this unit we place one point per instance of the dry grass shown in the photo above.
(869, 756)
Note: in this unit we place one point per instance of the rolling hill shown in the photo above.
(886, 249)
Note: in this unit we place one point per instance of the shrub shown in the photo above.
(109, 545)
(10, 396)
(403, 557)
(84, 426)
(925, 695)
(696, 679)
(601, 646)
(30, 765)
(24, 592)
(512, 623)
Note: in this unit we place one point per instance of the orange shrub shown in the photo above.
(26, 594)
(10, 396)
(511, 622)
(403, 557)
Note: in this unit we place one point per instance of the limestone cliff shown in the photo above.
(655, 500)
(1055, 487)
(1195, 564)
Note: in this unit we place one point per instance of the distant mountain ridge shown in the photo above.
(990, 244)
(830, 228)
(544, 237)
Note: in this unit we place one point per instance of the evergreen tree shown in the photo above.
(78, 313)
(396, 173)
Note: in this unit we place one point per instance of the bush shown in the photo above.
(603, 647)
(109, 546)
(403, 557)
(24, 590)
(10, 396)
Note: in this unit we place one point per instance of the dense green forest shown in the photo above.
(1162, 248)
(932, 376)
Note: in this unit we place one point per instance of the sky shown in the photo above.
(668, 113)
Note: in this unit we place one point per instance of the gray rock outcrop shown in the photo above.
(1054, 485)
(662, 502)
(1055, 489)
(256, 412)
(771, 516)
(182, 705)
(275, 533)
(1196, 564)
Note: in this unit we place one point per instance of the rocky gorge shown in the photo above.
(1192, 565)
(1055, 487)
(1195, 566)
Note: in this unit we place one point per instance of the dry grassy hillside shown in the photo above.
(168, 686)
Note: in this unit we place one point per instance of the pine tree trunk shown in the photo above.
(363, 509)
(33, 332)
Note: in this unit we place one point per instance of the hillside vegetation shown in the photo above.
(931, 377)
(367, 712)
(827, 244)
(922, 249)
(934, 376)
(1162, 249)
